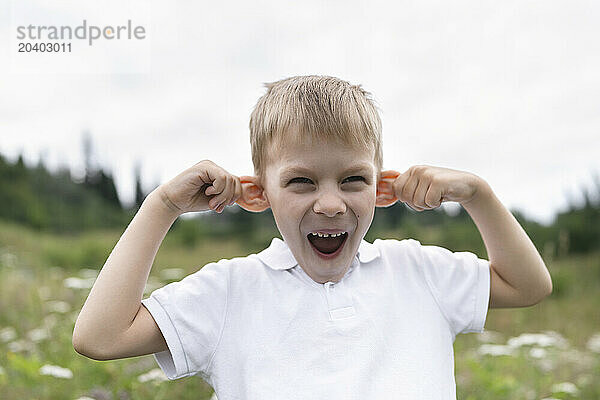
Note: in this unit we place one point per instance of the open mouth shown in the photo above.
(327, 245)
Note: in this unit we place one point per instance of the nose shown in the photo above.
(329, 203)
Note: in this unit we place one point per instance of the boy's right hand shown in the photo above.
(204, 186)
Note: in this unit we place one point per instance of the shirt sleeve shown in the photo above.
(460, 284)
(191, 315)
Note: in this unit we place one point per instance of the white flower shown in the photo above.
(58, 306)
(8, 260)
(593, 344)
(1, 370)
(37, 334)
(78, 283)
(546, 339)
(56, 371)
(536, 352)
(155, 374)
(88, 273)
(565, 387)
(7, 334)
(489, 337)
(214, 397)
(20, 345)
(495, 350)
(84, 398)
(172, 273)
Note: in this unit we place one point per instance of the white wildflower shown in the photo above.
(56, 371)
(172, 273)
(78, 283)
(214, 397)
(489, 337)
(1, 370)
(20, 345)
(7, 334)
(37, 334)
(8, 260)
(559, 339)
(495, 350)
(593, 344)
(85, 398)
(537, 352)
(87, 273)
(58, 306)
(155, 374)
(565, 387)
(539, 339)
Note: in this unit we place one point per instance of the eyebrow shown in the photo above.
(297, 170)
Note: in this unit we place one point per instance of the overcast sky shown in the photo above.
(507, 90)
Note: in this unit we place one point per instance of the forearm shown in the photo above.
(511, 253)
(116, 296)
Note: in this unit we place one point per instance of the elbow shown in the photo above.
(550, 287)
(85, 349)
(545, 289)
(544, 292)
(547, 286)
(81, 347)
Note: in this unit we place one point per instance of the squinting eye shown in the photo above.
(354, 179)
(300, 180)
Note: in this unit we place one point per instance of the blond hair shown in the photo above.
(319, 107)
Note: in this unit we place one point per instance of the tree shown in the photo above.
(139, 192)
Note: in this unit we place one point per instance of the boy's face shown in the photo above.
(322, 187)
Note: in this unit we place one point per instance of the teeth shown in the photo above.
(327, 234)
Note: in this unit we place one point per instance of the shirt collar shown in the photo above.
(278, 255)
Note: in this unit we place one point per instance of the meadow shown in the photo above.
(548, 351)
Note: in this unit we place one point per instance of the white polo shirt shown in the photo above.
(259, 327)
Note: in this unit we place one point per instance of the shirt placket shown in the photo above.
(339, 300)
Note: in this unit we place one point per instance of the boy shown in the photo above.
(321, 314)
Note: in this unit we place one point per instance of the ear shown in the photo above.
(253, 195)
(386, 196)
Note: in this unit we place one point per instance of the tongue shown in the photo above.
(326, 244)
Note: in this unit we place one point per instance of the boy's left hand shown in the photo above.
(424, 187)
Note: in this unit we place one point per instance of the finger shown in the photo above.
(210, 190)
(205, 170)
(233, 186)
(416, 208)
(237, 191)
(433, 198)
(408, 192)
(228, 192)
(218, 202)
(420, 192)
(217, 185)
(399, 184)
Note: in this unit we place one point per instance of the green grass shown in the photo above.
(35, 330)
